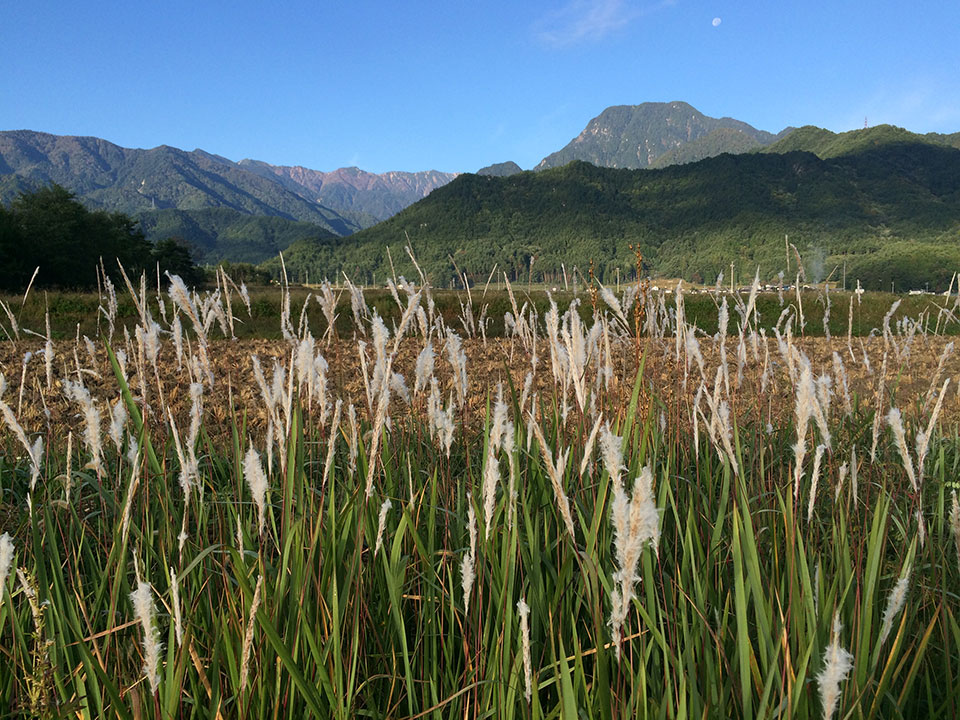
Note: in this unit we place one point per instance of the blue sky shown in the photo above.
(454, 85)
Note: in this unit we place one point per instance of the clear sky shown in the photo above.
(454, 85)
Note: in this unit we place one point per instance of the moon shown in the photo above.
(716, 21)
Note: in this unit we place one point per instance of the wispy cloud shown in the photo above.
(581, 21)
(917, 103)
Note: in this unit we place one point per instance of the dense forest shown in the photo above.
(50, 233)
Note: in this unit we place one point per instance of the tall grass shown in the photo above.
(312, 570)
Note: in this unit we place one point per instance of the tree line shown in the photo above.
(51, 233)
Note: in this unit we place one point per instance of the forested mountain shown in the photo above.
(504, 169)
(636, 136)
(890, 210)
(207, 199)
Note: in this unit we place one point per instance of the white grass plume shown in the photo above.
(91, 416)
(468, 565)
(381, 525)
(895, 602)
(248, 636)
(636, 524)
(6, 560)
(424, 369)
(142, 599)
(817, 458)
(895, 422)
(175, 602)
(523, 610)
(555, 471)
(257, 482)
(837, 663)
(611, 449)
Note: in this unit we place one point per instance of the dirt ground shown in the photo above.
(39, 407)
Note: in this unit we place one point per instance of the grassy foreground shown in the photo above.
(586, 552)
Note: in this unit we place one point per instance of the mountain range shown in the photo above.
(694, 188)
(206, 198)
(882, 202)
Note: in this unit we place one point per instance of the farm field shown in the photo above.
(386, 507)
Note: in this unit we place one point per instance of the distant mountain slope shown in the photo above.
(218, 234)
(376, 196)
(504, 169)
(635, 136)
(107, 176)
(863, 208)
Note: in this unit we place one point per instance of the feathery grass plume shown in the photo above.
(133, 457)
(818, 456)
(248, 636)
(379, 421)
(923, 436)
(804, 410)
(48, 350)
(636, 524)
(177, 331)
(91, 415)
(878, 411)
(142, 599)
(458, 362)
(840, 375)
(175, 601)
(895, 602)
(837, 663)
(34, 451)
(895, 422)
(955, 522)
(6, 560)
(27, 357)
(523, 610)
(257, 482)
(188, 471)
(591, 441)
(887, 335)
(611, 300)
(328, 305)
(381, 525)
(380, 336)
(841, 477)
(332, 442)
(118, 421)
(498, 428)
(413, 302)
(555, 471)
(182, 300)
(468, 565)
(947, 351)
(424, 369)
(611, 448)
(353, 439)
(681, 327)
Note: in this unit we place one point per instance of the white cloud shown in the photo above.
(586, 21)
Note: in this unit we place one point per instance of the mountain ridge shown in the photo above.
(635, 136)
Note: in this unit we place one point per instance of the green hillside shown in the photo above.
(891, 212)
(217, 234)
(827, 144)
